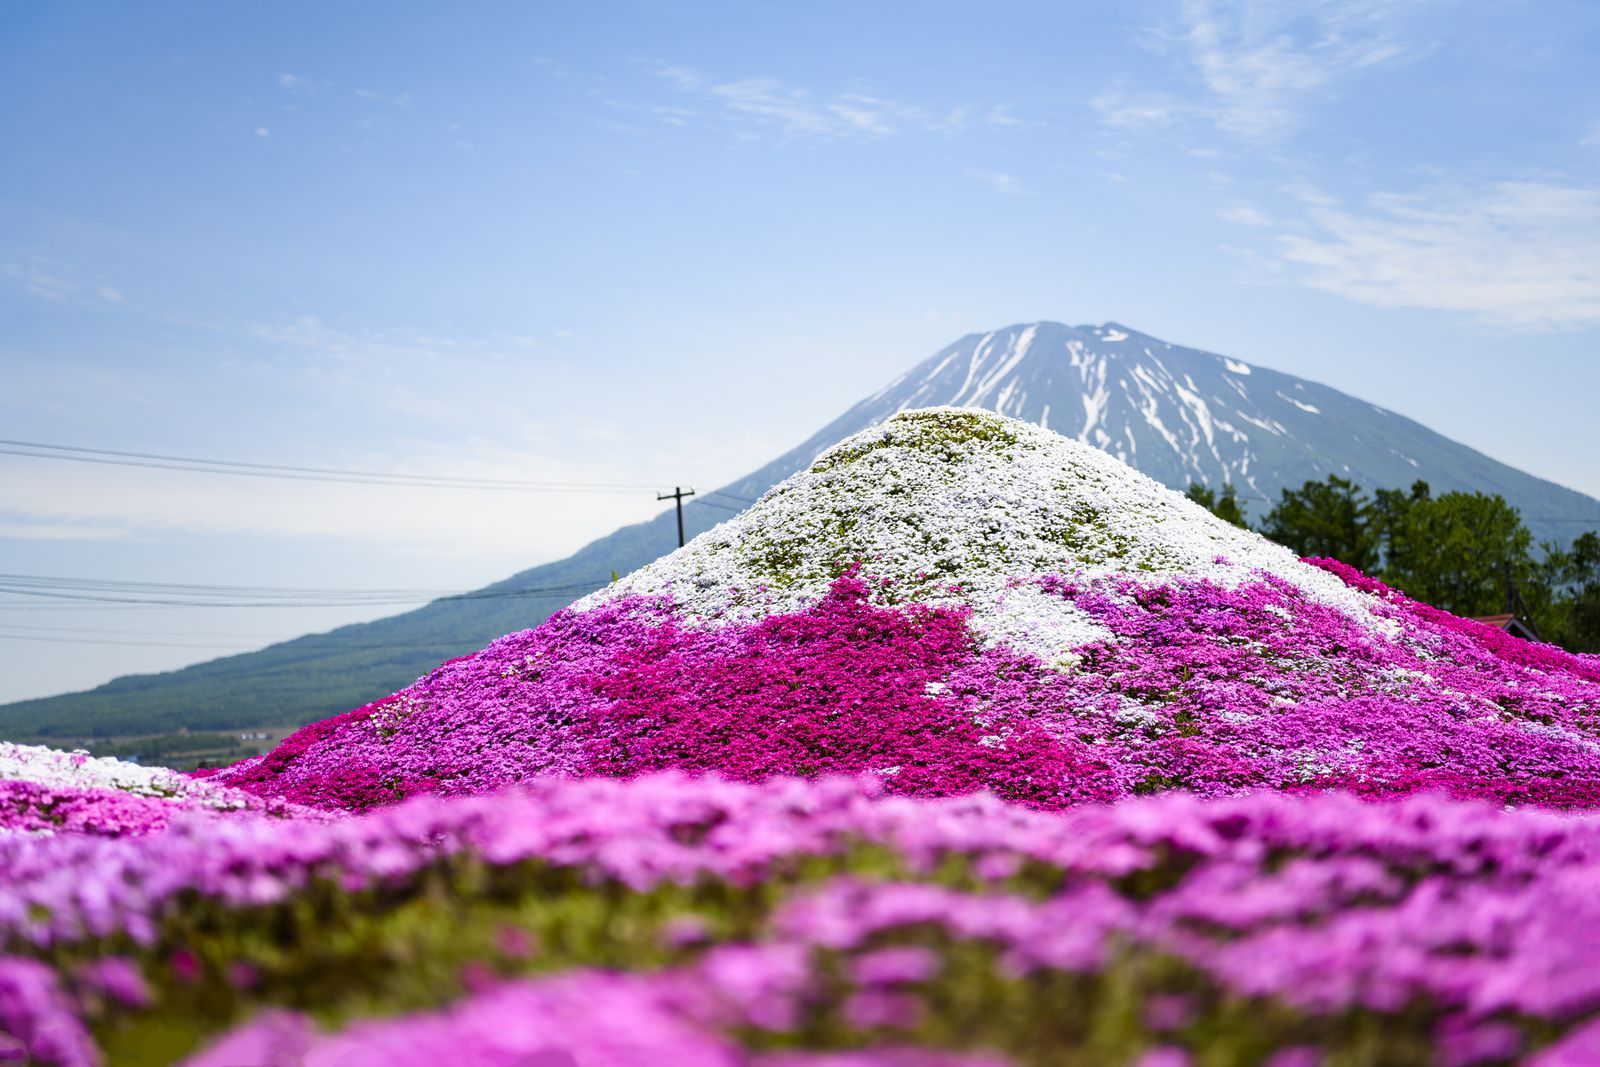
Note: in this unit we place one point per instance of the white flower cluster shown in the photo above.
(957, 506)
(56, 769)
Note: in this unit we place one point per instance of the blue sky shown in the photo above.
(661, 243)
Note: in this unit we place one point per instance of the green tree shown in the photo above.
(1327, 518)
(1453, 551)
(1574, 575)
(1386, 516)
(1225, 507)
(1585, 583)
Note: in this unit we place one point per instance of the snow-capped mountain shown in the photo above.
(1182, 415)
(1196, 415)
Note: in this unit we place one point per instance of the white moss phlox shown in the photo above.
(957, 506)
(56, 769)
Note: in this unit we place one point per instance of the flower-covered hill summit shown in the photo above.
(953, 601)
(961, 508)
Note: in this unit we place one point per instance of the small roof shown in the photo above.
(1510, 624)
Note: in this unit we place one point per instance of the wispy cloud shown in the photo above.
(37, 281)
(1005, 184)
(1260, 63)
(372, 96)
(1243, 215)
(1124, 109)
(48, 279)
(301, 86)
(1521, 255)
(774, 105)
(1001, 116)
(56, 531)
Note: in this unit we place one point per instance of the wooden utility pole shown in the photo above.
(677, 495)
(1515, 605)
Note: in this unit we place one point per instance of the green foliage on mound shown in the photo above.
(936, 433)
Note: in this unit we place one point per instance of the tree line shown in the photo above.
(1468, 553)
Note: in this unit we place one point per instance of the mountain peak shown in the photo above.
(1184, 415)
(1114, 333)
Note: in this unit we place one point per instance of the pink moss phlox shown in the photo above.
(347, 785)
(29, 807)
(842, 688)
(36, 808)
(38, 1020)
(1512, 649)
(1325, 903)
(579, 1018)
(1211, 689)
(625, 689)
(118, 978)
(1293, 694)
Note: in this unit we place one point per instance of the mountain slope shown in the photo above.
(1174, 413)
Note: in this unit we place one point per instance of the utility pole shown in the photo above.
(1515, 605)
(677, 496)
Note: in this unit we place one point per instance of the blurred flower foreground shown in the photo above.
(966, 746)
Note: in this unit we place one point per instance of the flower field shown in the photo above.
(968, 745)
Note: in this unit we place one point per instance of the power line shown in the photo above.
(199, 465)
(235, 635)
(56, 581)
(370, 602)
(336, 649)
(167, 594)
(134, 644)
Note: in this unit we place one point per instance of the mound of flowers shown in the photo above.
(956, 601)
(46, 791)
(672, 919)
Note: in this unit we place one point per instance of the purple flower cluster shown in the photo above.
(37, 1019)
(1199, 686)
(1478, 925)
(585, 1018)
(31, 807)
